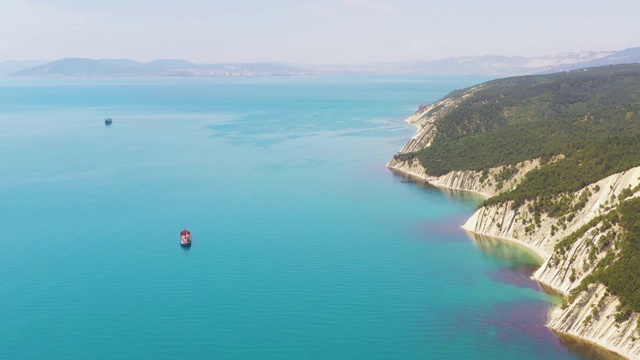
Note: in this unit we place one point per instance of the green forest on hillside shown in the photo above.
(618, 269)
(521, 118)
(584, 125)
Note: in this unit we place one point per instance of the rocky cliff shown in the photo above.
(591, 316)
(425, 118)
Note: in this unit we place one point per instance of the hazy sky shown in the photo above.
(328, 31)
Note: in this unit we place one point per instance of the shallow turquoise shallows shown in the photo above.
(304, 245)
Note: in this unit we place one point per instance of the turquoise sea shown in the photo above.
(304, 245)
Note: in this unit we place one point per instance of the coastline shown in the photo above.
(501, 222)
(429, 181)
(545, 256)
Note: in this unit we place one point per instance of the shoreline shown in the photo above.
(429, 181)
(592, 316)
(542, 255)
(546, 288)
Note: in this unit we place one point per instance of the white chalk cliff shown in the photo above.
(591, 315)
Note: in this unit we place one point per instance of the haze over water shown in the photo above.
(304, 245)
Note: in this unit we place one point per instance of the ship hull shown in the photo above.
(185, 238)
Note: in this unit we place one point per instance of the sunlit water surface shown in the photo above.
(304, 245)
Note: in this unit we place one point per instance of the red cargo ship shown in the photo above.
(185, 238)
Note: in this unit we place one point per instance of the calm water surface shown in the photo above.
(304, 245)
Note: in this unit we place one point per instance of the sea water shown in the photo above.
(304, 245)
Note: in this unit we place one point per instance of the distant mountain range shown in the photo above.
(488, 65)
(11, 66)
(78, 67)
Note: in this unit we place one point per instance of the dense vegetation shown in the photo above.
(511, 120)
(620, 273)
(618, 270)
(585, 126)
(584, 163)
(588, 121)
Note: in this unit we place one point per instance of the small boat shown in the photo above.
(185, 238)
(108, 121)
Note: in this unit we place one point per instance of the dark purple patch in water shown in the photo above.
(521, 317)
(441, 229)
(508, 324)
(519, 276)
(512, 322)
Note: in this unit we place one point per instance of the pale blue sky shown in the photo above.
(330, 31)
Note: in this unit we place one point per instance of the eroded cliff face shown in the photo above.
(579, 259)
(564, 270)
(424, 119)
(519, 224)
(592, 315)
(487, 183)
